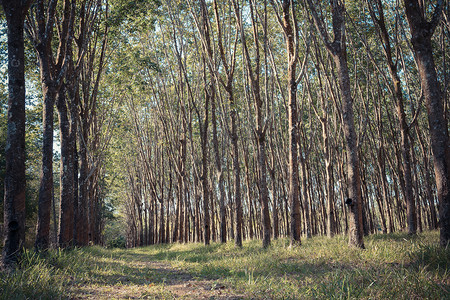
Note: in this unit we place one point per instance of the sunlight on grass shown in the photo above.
(392, 266)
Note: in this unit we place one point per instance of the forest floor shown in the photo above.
(394, 266)
(142, 278)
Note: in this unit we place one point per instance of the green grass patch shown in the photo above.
(394, 266)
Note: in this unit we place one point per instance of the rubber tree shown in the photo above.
(14, 205)
(421, 33)
(338, 50)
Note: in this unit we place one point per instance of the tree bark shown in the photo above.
(52, 72)
(204, 178)
(219, 175)
(83, 204)
(15, 181)
(236, 173)
(421, 34)
(46, 177)
(354, 187)
(66, 213)
(73, 132)
(294, 198)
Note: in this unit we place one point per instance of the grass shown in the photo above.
(394, 266)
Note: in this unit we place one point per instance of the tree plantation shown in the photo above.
(136, 123)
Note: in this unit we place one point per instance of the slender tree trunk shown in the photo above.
(169, 200)
(176, 222)
(329, 178)
(162, 236)
(250, 220)
(379, 198)
(83, 201)
(198, 227)
(46, 177)
(181, 188)
(187, 208)
(306, 199)
(294, 198)
(66, 214)
(237, 174)
(180, 211)
(219, 175)
(204, 178)
(213, 211)
(73, 133)
(276, 229)
(384, 187)
(146, 221)
(251, 232)
(264, 197)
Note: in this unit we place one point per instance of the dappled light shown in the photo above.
(224, 149)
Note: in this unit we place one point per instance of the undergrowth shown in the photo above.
(394, 266)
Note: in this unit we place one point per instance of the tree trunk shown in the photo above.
(181, 188)
(421, 33)
(175, 225)
(219, 175)
(180, 210)
(162, 236)
(83, 201)
(204, 178)
(46, 177)
(354, 187)
(74, 116)
(236, 173)
(294, 201)
(146, 221)
(337, 49)
(328, 177)
(52, 72)
(66, 213)
(306, 200)
(276, 230)
(14, 201)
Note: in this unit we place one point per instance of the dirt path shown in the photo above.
(161, 281)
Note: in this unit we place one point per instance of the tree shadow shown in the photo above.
(395, 236)
(158, 265)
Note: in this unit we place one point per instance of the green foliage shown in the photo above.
(118, 242)
(132, 14)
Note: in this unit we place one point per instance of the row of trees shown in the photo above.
(216, 120)
(265, 118)
(69, 45)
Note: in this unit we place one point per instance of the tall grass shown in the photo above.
(394, 266)
(34, 278)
